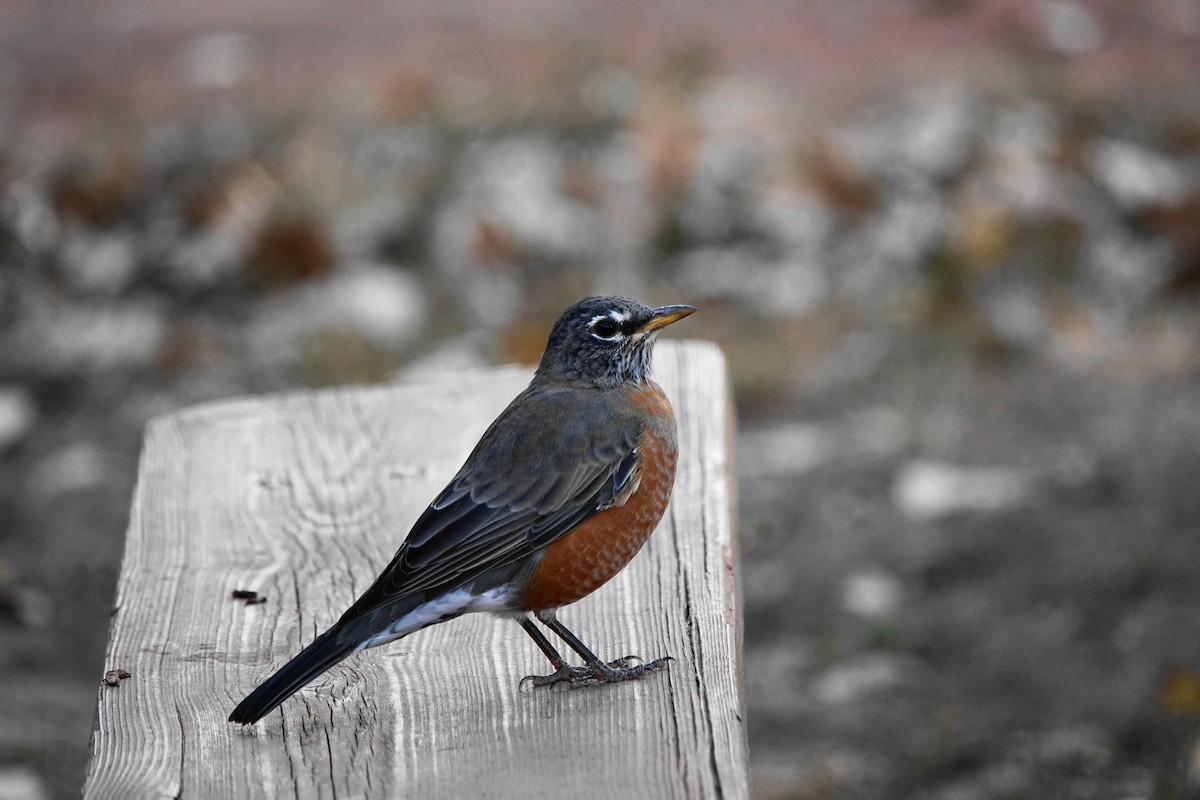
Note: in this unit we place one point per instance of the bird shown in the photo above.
(560, 493)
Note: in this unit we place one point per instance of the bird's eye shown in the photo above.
(605, 328)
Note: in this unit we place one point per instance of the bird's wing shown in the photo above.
(540, 470)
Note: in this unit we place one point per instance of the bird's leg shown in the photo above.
(595, 670)
(562, 670)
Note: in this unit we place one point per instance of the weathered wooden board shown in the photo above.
(303, 498)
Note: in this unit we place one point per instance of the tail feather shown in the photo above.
(359, 630)
(352, 632)
(328, 649)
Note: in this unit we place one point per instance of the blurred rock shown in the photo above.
(203, 260)
(1020, 145)
(398, 155)
(71, 338)
(514, 185)
(1135, 176)
(18, 414)
(383, 304)
(1069, 27)
(775, 678)
(1123, 274)
(791, 288)
(885, 258)
(875, 432)
(492, 300)
(101, 264)
(74, 468)
(32, 607)
(784, 450)
(990, 783)
(872, 594)
(828, 772)
(718, 197)
(855, 680)
(1077, 750)
(1014, 307)
(219, 60)
(929, 490)
(797, 223)
(338, 357)
(454, 355)
(856, 356)
(21, 783)
(922, 136)
(30, 217)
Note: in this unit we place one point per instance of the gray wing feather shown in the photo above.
(525, 485)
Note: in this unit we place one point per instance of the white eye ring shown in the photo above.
(612, 330)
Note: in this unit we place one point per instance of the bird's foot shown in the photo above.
(621, 669)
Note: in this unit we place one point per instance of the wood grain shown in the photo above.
(303, 498)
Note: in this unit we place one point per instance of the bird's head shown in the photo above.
(605, 341)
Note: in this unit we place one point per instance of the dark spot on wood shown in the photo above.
(114, 677)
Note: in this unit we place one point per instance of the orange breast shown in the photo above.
(587, 557)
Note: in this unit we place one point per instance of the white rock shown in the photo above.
(854, 681)
(384, 304)
(522, 181)
(18, 414)
(1015, 308)
(1124, 275)
(929, 490)
(204, 260)
(1017, 171)
(97, 263)
(220, 60)
(924, 135)
(1069, 26)
(784, 450)
(797, 221)
(872, 594)
(1135, 176)
(884, 259)
(516, 186)
(82, 338)
(21, 783)
(30, 217)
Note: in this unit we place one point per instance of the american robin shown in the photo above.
(561, 492)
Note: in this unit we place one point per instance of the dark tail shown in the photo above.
(328, 649)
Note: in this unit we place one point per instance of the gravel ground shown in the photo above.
(961, 321)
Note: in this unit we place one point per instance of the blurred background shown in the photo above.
(950, 247)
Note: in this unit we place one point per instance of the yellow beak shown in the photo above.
(664, 316)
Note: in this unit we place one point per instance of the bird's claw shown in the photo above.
(621, 669)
